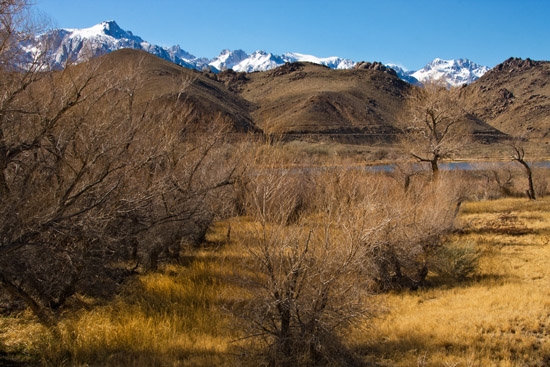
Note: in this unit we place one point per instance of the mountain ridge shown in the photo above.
(68, 45)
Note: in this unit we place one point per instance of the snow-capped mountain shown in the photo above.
(454, 72)
(332, 62)
(261, 61)
(404, 74)
(228, 59)
(78, 45)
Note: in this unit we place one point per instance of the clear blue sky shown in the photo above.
(410, 33)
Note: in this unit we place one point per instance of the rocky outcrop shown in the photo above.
(365, 65)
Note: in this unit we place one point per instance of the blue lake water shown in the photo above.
(460, 166)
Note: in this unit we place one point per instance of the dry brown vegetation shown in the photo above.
(140, 226)
(97, 174)
(179, 316)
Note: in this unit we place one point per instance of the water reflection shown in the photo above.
(459, 166)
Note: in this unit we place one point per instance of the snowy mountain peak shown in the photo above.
(228, 59)
(454, 72)
(332, 62)
(259, 61)
(109, 28)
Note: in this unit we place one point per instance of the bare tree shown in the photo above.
(310, 283)
(518, 155)
(433, 125)
(59, 169)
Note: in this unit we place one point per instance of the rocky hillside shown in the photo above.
(310, 100)
(513, 97)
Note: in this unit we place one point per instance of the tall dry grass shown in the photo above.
(168, 318)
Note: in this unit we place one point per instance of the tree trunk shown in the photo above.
(285, 337)
(435, 169)
(407, 182)
(531, 190)
(4, 189)
(154, 258)
(43, 315)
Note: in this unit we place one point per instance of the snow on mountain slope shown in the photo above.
(228, 59)
(65, 45)
(109, 29)
(77, 45)
(333, 62)
(454, 72)
(259, 61)
(80, 44)
(404, 74)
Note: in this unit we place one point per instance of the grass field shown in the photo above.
(179, 317)
(501, 317)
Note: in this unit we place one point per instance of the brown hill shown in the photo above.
(310, 101)
(305, 99)
(158, 82)
(513, 97)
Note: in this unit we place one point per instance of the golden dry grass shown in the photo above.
(173, 317)
(500, 318)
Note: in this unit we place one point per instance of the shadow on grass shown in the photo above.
(117, 357)
(442, 282)
(8, 359)
(413, 350)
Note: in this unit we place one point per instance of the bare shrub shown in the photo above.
(180, 180)
(90, 179)
(419, 220)
(59, 170)
(542, 184)
(310, 283)
(503, 177)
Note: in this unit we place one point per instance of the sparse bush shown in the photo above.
(306, 252)
(455, 261)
